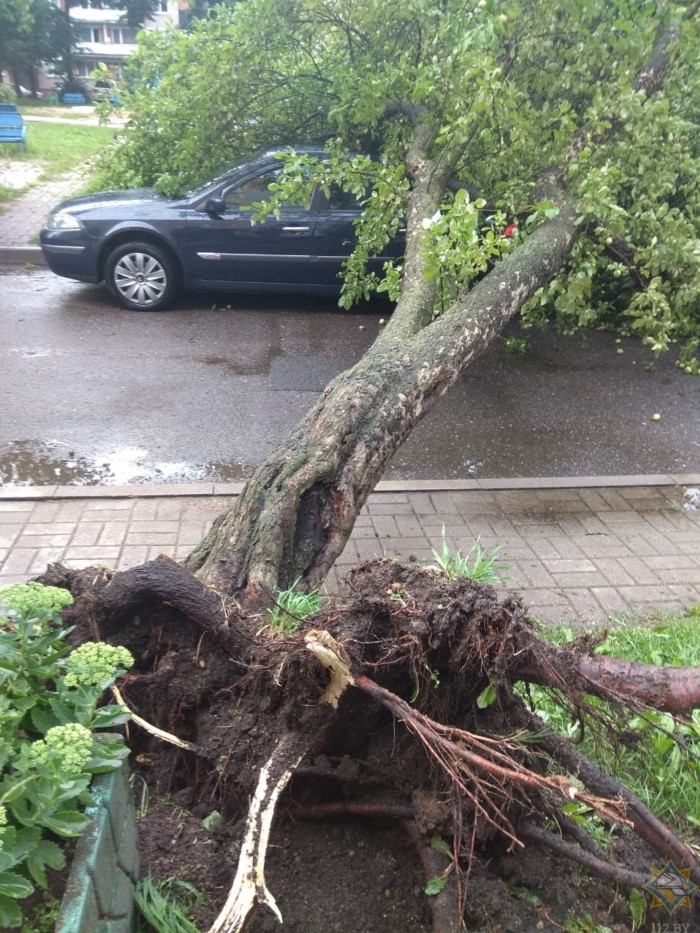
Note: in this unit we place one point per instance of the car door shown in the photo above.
(335, 239)
(227, 249)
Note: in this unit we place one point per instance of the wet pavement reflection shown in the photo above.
(94, 394)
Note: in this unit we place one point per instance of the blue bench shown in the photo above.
(74, 99)
(12, 128)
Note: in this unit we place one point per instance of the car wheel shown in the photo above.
(141, 276)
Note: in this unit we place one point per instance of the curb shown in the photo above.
(18, 255)
(19, 493)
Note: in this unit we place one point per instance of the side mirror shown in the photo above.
(215, 206)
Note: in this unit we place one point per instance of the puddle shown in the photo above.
(34, 463)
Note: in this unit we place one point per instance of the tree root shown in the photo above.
(108, 595)
(602, 867)
(659, 836)
(483, 768)
(249, 883)
(669, 689)
(321, 811)
(445, 906)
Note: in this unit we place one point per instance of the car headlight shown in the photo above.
(62, 220)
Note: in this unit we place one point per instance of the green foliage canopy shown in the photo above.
(501, 87)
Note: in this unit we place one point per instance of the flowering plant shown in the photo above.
(49, 698)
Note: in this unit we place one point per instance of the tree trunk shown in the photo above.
(298, 510)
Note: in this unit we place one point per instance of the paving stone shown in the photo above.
(669, 562)
(568, 581)
(367, 549)
(536, 574)
(389, 508)
(602, 546)
(385, 526)
(13, 522)
(144, 510)
(349, 555)
(594, 500)
(639, 571)
(614, 500)
(9, 535)
(443, 503)
(566, 547)
(46, 511)
(153, 527)
(646, 595)
(87, 533)
(365, 531)
(421, 503)
(536, 596)
(42, 557)
(144, 537)
(106, 515)
(112, 533)
(18, 561)
(170, 510)
(112, 505)
(584, 603)
(16, 506)
(132, 556)
(570, 566)
(680, 575)
(610, 600)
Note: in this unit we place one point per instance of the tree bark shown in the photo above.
(298, 510)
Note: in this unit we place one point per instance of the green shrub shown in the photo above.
(7, 94)
(49, 697)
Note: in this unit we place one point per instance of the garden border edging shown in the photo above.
(100, 891)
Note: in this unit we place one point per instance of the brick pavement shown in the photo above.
(22, 219)
(574, 554)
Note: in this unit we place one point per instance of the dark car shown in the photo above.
(146, 247)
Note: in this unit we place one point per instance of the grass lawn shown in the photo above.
(656, 755)
(53, 148)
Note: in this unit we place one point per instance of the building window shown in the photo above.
(122, 35)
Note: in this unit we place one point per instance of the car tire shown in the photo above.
(142, 276)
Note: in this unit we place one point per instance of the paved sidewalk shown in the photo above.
(22, 219)
(574, 553)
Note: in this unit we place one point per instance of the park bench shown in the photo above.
(71, 98)
(12, 128)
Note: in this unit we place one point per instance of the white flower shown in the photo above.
(429, 222)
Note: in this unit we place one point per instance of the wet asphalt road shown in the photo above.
(96, 394)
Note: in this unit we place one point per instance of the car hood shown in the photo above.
(110, 199)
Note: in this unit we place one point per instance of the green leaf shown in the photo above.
(66, 822)
(16, 790)
(439, 844)
(436, 884)
(108, 716)
(43, 719)
(46, 854)
(486, 697)
(638, 908)
(10, 914)
(13, 885)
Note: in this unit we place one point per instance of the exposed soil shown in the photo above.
(430, 642)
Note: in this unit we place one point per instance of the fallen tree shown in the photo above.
(392, 676)
(554, 112)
